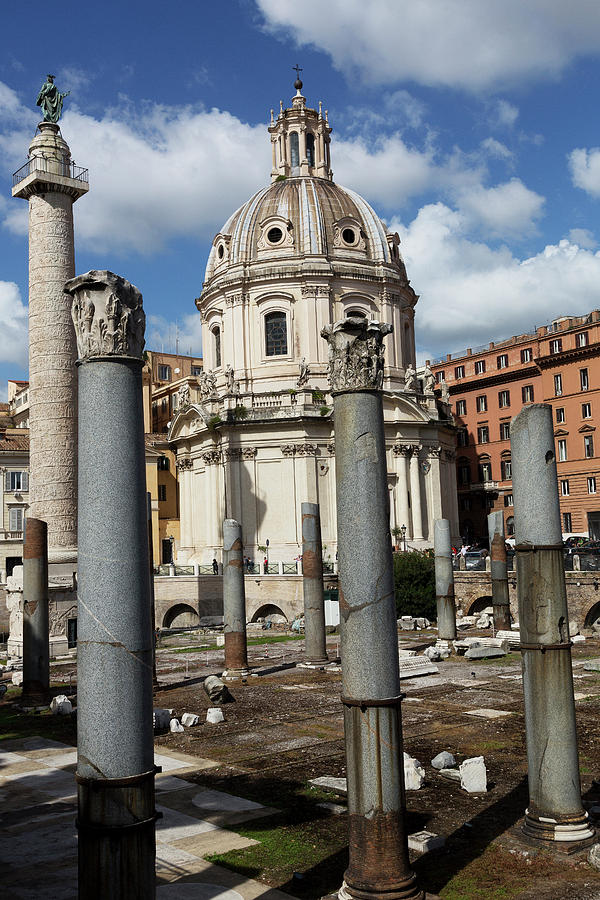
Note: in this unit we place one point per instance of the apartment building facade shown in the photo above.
(557, 364)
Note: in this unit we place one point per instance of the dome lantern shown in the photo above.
(300, 139)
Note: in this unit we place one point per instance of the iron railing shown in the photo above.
(51, 166)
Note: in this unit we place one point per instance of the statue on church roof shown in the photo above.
(50, 100)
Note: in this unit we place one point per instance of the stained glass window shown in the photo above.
(276, 334)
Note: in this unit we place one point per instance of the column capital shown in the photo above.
(356, 353)
(108, 316)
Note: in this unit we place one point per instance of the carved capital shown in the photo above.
(211, 457)
(402, 449)
(331, 448)
(356, 353)
(107, 314)
(232, 453)
(184, 463)
(248, 452)
(450, 455)
(434, 451)
(307, 449)
(288, 449)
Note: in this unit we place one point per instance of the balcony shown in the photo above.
(50, 167)
(484, 486)
(11, 535)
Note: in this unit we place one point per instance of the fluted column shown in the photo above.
(401, 452)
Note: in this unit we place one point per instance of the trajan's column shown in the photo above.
(51, 183)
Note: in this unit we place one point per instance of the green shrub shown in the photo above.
(414, 584)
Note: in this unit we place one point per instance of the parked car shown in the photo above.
(475, 559)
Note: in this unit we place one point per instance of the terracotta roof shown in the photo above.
(14, 442)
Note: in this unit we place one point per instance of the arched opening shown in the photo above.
(276, 334)
(479, 605)
(510, 526)
(485, 468)
(357, 313)
(216, 333)
(593, 616)
(294, 150)
(270, 613)
(180, 616)
(310, 149)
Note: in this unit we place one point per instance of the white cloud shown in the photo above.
(474, 293)
(496, 149)
(13, 325)
(585, 169)
(469, 44)
(505, 114)
(583, 237)
(508, 209)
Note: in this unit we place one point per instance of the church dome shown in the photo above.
(301, 217)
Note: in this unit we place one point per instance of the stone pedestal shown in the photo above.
(50, 186)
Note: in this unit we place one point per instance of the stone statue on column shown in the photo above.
(50, 100)
(410, 378)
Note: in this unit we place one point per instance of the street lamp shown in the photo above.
(403, 536)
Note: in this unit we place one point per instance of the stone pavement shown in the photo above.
(38, 850)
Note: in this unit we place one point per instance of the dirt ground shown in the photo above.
(285, 728)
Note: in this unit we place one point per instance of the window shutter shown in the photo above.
(7, 482)
(25, 481)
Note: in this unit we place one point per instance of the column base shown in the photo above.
(409, 890)
(544, 829)
(314, 663)
(235, 674)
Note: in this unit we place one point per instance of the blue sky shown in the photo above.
(471, 127)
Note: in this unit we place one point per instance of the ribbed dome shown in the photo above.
(314, 216)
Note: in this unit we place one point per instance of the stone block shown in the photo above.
(578, 638)
(217, 690)
(432, 653)
(214, 716)
(592, 665)
(473, 775)
(405, 654)
(450, 774)
(487, 713)
(330, 783)
(511, 637)
(443, 760)
(175, 726)
(61, 706)
(414, 773)
(484, 652)
(17, 678)
(422, 841)
(419, 665)
(484, 621)
(573, 628)
(189, 719)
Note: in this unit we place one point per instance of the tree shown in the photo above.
(414, 584)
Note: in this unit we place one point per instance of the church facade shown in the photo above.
(254, 434)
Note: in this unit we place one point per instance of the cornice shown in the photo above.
(501, 376)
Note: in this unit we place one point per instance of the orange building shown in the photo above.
(557, 364)
(163, 376)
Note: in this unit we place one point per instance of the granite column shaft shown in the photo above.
(312, 585)
(115, 750)
(444, 580)
(234, 600)
(555, 811)
(499, 570)
(36, 638)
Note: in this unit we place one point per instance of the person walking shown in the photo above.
(215, 567)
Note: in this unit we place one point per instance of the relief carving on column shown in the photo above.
(356, 353)
(107, 314)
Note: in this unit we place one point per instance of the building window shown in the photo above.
(294, 150)
(196, 370)
(510, 525)
(464, 472)
(526, 355)
(276, 334)
(504, 431)
(562, 450)
(461, 407)
(465, 503)
(560, 414)
(485, 471)
(506, 468)
(164, 373)
(527, 393)
(564, 487)
(567, 523)
(440, 377)
(481, 403)
(558, 385)
(582, 339)
(162, 492)
(163, 404)
(16, 481)
(462, 437)
(480, 367)
(216, 333)
(556, 345)
(586, 410)
(588, 446)
(591, 484)
(459, 372)
(310, 149)
(163, 463)
(15, 519)
(584, 380)
(503, 399)
(508, 500)
(502, 361)
(483, 434)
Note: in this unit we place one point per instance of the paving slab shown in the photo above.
(487, 713)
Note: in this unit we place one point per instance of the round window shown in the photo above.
(274, 235)
(221, 251)
(349, 235)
